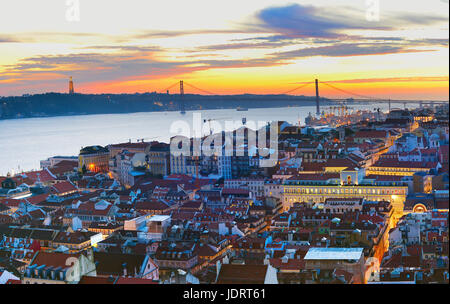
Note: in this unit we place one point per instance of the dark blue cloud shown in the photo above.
(301, 21)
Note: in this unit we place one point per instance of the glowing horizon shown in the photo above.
(237, 47)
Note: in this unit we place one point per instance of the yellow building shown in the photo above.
(94, 159)
(399, 168)
(318, 193)
(423, 118)
(159, 159)
(302, 190)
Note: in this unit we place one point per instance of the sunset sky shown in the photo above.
(226, 47)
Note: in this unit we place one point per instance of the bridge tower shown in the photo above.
(317, 98)
(182, 110)
(71, 91)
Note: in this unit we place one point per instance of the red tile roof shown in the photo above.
(291, 264)
(183, 215)
(64, 187)
(61, 169)
(97, 280)
(313, 166)
(43, 175)
(151, 205)
(380, 178)
(340, 162)
(442, 204)
(128, 145)
(371, 134)
(229, 191)
(11, 202)
(114, 280)
(36, 199)
(55, 259)
(347, 275)
(242, 274)
(392, 163)
(192, 205)
(137, 281)
(89, 208)
(311, 177)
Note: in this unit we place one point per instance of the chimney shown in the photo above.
(124, 265)
(290, 236)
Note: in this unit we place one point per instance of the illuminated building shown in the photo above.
(159, 159)
(401, 168)
(342, 205)
(319, 188)
(74, 241)
(94, 159)
(424, 115)
(105, 228)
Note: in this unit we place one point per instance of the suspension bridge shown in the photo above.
(354, 97)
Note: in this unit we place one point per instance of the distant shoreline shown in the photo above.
(305, 103)
(59, 104)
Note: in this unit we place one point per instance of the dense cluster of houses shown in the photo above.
(362, 203)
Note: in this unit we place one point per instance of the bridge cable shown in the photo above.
(347, 92)
(297, 88)
(204, 91)
(164, 91)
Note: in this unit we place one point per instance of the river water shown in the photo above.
(25, 142)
